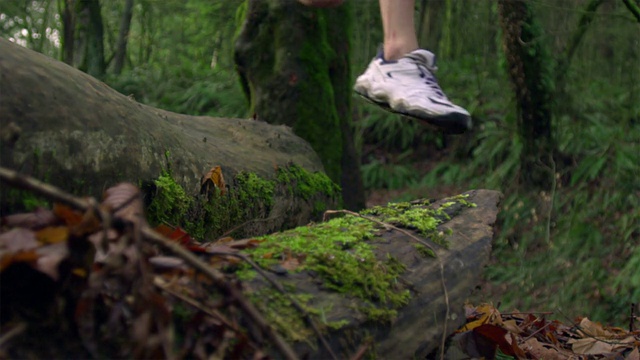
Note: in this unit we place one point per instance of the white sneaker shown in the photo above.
(408, 87)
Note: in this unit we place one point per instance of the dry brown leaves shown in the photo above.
(89, 275)
(533, 336)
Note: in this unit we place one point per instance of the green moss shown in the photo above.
(251, 187)
(419, 216)
(376, 314)
(281, 314)
(21, 200)
(338, 253)
(250, 197)
(305, 184)
(424, 251)
(170, 202)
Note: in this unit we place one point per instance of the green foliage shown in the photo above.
(193, 91)
(377, 175)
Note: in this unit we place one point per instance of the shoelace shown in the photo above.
(427, 73)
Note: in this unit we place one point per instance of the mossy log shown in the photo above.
(64, 127)
(364, 282)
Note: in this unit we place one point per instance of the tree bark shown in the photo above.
(293, 62)
(530, 69)
(66, 8)
(123, 37)
(89, 35)
(66, 128)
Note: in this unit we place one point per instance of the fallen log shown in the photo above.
(403, 300)
(64, 127)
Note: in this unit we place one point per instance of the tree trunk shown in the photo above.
(293, 63)
(530, 70)
(123, 37)
(89, 38)
(68, 30)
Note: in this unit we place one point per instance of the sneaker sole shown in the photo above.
(454, 123)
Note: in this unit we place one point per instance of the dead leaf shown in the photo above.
(175, 234)
(89, 224)
(485, 314)
(49, 257)
(290, 264)
(166, 262)
(220, 249)
(53, 235)
(223, 240)
(511, 326)
(28, 256)
(588, 328)
(18, 239)
(590, 346)
(496, 335)
(634, 354)
(36, 219)
(126, 201)
(244, 244)
(213, 180)
(68, 215)
(538, 351)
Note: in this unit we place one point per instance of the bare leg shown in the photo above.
(399, 28)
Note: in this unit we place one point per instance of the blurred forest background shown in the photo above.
(571, 246)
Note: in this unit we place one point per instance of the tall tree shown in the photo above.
(66, 9)
(294, 65)
(530, 69)
(89, 38)
(123, 37)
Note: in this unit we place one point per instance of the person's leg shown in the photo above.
(402, 77)
(399, 29)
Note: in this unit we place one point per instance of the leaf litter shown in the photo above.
(491, 334)
(84, 284)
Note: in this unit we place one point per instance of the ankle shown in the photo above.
(395, 50)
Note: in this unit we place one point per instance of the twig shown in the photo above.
(528, 313)
(50, 192)
(537, 331)
(53, 193)
(230, 231)
(362, 350)
(415, 238)
(162, 284)
(15, 331)
(220, 281)
(282, 290)
(632, 318)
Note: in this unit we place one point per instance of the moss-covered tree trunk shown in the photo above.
(294, 65)
(530, 69)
